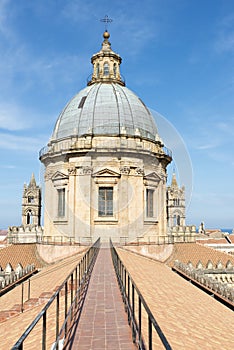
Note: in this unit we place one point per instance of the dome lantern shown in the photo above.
(106, 64)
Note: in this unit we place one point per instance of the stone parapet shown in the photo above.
(24, 234)
(183, 234)
(219, 278)
(9, 277)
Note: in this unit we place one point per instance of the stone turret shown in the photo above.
(175, 204)
(31, 203)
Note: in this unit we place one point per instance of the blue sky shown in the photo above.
(177, 56)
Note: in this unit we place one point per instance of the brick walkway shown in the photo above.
(103, 321)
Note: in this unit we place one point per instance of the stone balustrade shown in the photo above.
(10, 276)
(217, 278)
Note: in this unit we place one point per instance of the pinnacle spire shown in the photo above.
(173, 180)
(32, 181)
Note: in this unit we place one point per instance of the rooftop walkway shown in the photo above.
(103, 322)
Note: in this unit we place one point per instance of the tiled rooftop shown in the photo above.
(212, 240)
(189, 318)
(45, 281)
(24, 254)
(195, 252)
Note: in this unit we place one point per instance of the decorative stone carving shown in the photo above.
(48, 175)
(125, 170)
(139, 172)
(71, 171)
(87, 170)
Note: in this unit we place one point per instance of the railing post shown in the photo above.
(57, 319)
(22, 298)
(65, 309)
(150, 332)
(133, 314)
(29, 288)
(128, 295)
(76, 285)
(125, 279)
(44, 331)
(72, 286)
(79, 271)
(139, 321)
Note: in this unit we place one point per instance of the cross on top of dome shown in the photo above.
(107, 21)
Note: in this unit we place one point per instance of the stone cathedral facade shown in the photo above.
(106, 165)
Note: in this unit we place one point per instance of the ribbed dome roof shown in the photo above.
(105, 109)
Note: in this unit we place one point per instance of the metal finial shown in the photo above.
(106, 20)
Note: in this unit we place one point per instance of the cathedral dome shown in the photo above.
(105, 109)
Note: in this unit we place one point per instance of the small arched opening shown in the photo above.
(29, 217)
(97, 70)
(106, 69)
(115, 70)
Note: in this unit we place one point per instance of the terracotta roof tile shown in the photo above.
(46, 280)
(216, 240)
(24, 254)
(195, 252)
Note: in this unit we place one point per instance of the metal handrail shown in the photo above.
(128, 290)
(82, 273)
(53, 240)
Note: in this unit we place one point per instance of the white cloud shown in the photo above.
(226, 127)
(6, 166)
(4, 28)
(79, 11)
(225, 35)
(22, 143)
(207, 146)
(13, 117)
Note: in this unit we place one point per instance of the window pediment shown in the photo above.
(152, 177)
(59, 176)
(106, 173)
(59, 179)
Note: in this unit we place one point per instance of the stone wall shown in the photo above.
(24, 234)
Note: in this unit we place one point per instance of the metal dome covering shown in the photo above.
(107, 109)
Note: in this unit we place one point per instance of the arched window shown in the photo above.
(29, 217)
(115, 70)
(174, 220)
(97, 70)
(149, 203)
(30, 199)
(178, 220)
(61, 202)
(106, 69)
